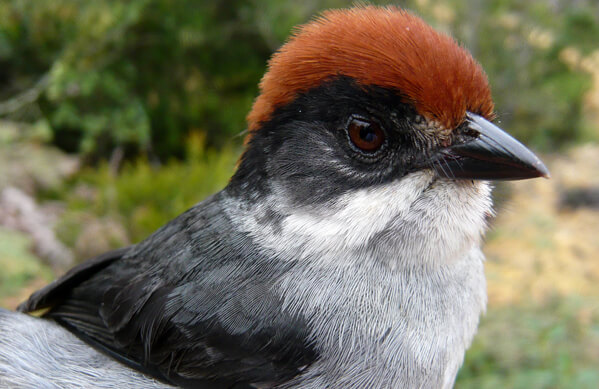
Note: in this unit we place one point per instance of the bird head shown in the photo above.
(368, 114)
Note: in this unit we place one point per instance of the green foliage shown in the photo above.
(141, 75)
(535, 346)
(142, 196)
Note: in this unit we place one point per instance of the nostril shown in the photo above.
(470, 132)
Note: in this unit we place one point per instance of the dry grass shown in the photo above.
(536, 249)
(542, 325)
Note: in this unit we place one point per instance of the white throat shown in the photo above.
(418, 220)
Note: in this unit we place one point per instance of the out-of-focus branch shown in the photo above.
(27, 97)
(19, 211)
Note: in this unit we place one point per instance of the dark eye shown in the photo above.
(367, 136)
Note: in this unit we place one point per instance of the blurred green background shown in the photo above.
(115, 116)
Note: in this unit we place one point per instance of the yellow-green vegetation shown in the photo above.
(18, 267)
(141, 197)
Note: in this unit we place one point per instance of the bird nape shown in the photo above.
(344, 253)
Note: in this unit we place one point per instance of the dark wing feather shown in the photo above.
(192, 305)
(60, 288)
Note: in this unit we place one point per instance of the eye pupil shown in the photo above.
(365, 135)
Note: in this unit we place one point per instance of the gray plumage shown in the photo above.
(37, 353)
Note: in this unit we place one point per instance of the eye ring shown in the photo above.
(366, 136)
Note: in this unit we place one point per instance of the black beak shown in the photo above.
(487, 153)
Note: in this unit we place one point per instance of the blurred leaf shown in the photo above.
(144, 197)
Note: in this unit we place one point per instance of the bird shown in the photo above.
(345, 251)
